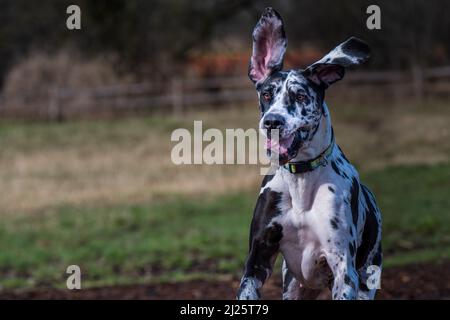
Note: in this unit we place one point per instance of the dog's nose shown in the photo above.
(273, 121)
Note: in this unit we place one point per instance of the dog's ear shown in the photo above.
(269, 46)
(331, 67)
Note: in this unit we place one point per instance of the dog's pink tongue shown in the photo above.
(280, 148)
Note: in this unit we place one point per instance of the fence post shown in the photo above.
(177, 96)
(418, 85)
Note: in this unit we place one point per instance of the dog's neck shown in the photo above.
(302, 187)
(320, 140)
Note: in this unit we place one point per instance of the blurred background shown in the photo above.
(86, 117)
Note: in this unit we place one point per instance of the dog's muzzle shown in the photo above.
(286, 147)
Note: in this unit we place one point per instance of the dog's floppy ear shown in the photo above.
(331, 67)
(269, 46)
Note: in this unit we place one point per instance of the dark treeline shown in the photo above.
(150, 37)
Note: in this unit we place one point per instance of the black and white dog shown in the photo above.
(313, 209)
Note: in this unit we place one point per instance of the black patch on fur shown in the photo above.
(370, 231)
(306, 89)
(335, 168)
(270, 85)
(291, 109)
(354, 202)
(266, 209)
(262, 250)
(345, 175)
(376, 260)
(351, 249)
(264, 239)
(334, 223)
(331, 189)
(349, 282)
(266, 180)
(378, 257)
(355, 47)
(342, 61)
(273, 234)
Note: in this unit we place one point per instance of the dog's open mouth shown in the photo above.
(287, 147)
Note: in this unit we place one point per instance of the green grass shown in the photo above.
(187, 238)
(416, 206)
(129, 243)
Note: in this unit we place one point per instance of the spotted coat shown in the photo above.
(325, 222)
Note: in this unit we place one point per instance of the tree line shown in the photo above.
(148, 38)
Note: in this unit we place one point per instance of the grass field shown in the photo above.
(104, 195)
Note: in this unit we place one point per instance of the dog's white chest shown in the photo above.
(301, 248)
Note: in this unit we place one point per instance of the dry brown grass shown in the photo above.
(32, 84)
(40, 72)
(128, 161)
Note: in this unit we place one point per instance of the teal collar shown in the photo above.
(310, 165)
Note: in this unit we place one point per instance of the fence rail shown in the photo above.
(179, 93)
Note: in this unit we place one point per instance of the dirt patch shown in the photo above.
(421, 281)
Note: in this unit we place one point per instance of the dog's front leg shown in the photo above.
(346, 281)
(259, 265)
(265, 236)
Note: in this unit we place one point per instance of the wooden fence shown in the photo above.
(180, 94)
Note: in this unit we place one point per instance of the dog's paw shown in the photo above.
(249, 289)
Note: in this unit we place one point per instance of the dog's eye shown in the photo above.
(301, 97)
(267, 96)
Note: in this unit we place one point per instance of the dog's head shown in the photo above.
(292, 101)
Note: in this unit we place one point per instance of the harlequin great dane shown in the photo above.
(313, 209)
